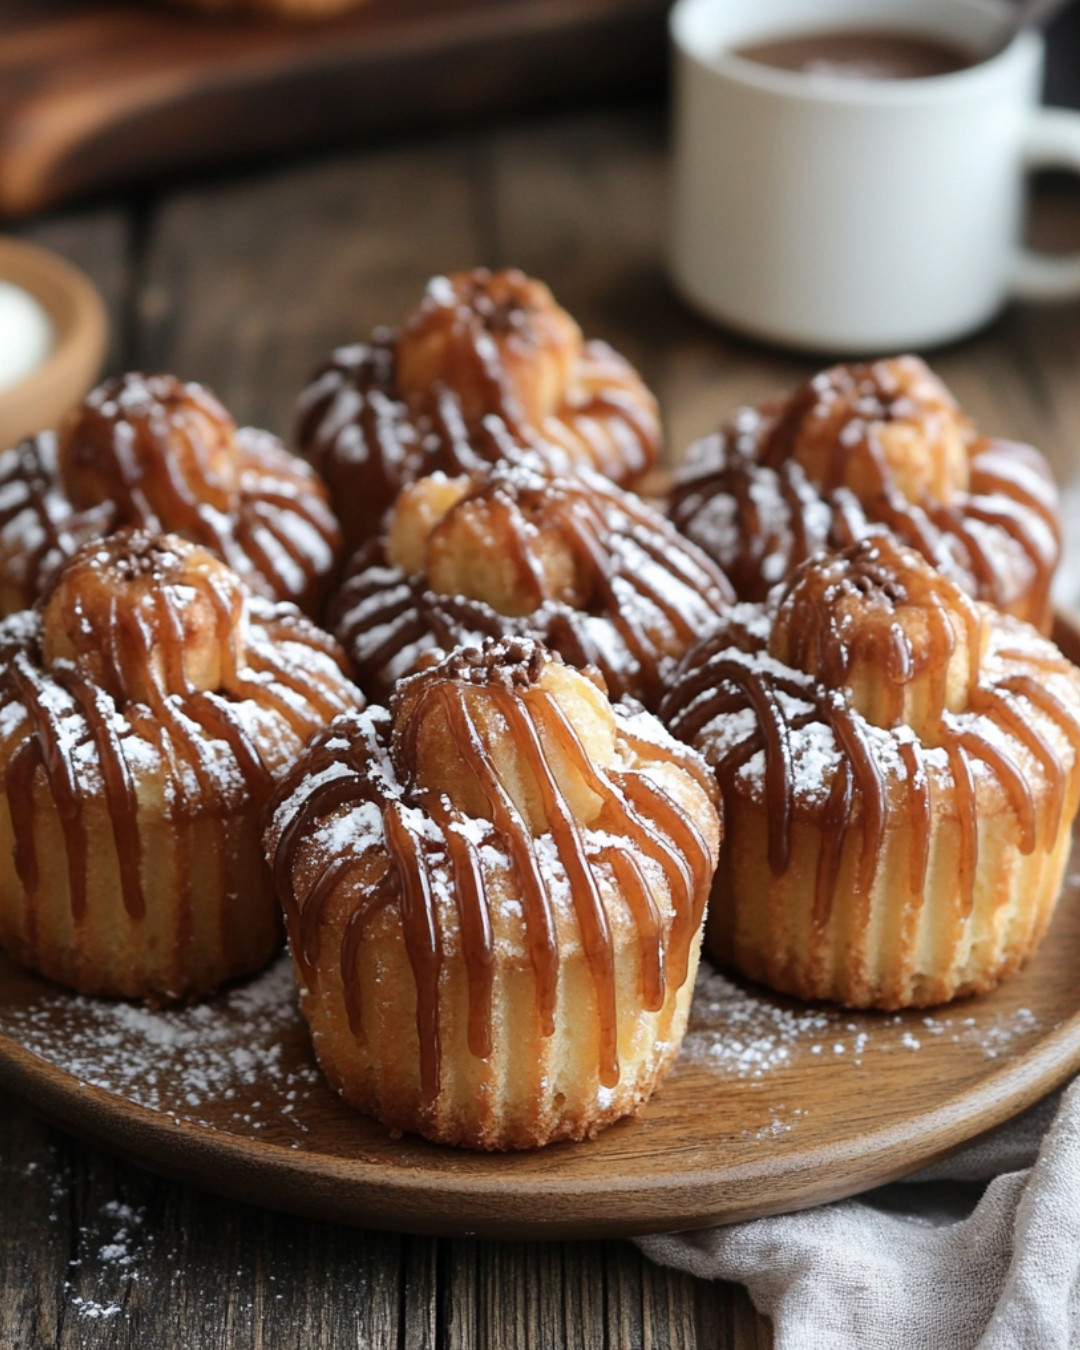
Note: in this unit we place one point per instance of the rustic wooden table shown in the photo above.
(246, 282)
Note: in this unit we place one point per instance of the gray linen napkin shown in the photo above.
(916, 1266)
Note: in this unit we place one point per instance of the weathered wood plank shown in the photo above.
(459, 1314)
(94, 1253)
(420, 1294)
(247, 286)
(35, 1229)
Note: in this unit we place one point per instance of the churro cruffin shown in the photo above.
(155, 453)
(487, 367)
(869, 447)
(494, 892)
(900, 769)
(147, 706)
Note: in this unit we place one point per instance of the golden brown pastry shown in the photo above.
(580, 565)
(494, 894)
(153, 452)
(487, 367)
(146, 708)
(899, 767)
(861, 448)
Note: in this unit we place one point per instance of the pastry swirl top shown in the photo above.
(501, 806)
(577, 563)
(869, 447)
(481, 347)
(148, 674)
(164, 456)
(868, 688)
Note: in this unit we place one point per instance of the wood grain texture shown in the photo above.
(97, 1253)
(94, 92)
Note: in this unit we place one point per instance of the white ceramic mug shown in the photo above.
(857, 215)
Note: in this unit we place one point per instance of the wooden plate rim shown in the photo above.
(512, 1206)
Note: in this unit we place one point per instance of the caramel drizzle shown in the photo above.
(276, 500)
(280, 498)
(724, 680)
(651, 824)
(191, 726)
(381, 600)
(32, 465)
(26, 687)
(615, 423)
(367, 444)
(613, 426)
(354, 404)
(926, 525)
(382, 612)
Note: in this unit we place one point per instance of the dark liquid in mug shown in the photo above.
(870, 55)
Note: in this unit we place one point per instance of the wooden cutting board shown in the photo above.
(95, 93)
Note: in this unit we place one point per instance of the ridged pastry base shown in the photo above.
(891, 948)
(211, 915)
(532, 1089)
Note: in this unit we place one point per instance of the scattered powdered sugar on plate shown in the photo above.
(241, 1062)
(750, 1034)
(742, 1034)
(189, 1063)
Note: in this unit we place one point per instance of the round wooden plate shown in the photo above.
(772, 1106)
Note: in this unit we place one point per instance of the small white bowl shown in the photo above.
(80, 332)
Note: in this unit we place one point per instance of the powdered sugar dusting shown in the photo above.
(201, 1064)
(745, 1033)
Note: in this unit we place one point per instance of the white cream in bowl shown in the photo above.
(27, 334)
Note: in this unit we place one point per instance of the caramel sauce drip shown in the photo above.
(497, 339)
(138, 650)
(152, 453)
(998, 533)
(29, 490)
(653, 588)
(418, 863)
(506, 349)
(731, 672)
(366, 444)
(465, 383)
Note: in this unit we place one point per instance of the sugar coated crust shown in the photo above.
(147, 707)
(494, 892)
(900, 773)
(871, 448)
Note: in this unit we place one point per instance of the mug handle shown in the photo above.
(1052, 142)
